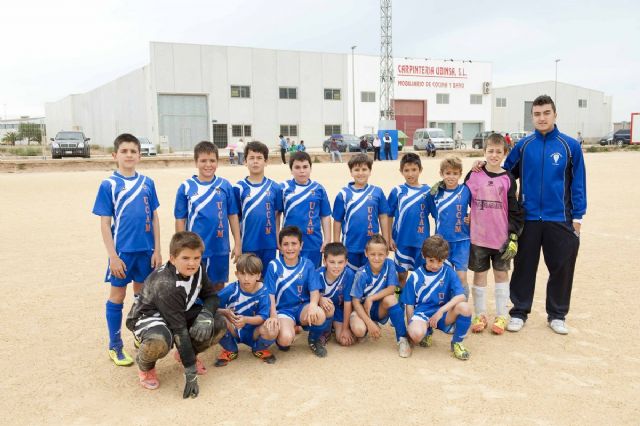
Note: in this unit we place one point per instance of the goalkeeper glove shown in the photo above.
(510, 248)
(202, 327)
(436, 186)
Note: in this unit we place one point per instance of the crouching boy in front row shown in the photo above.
(166, 312)
(245, 304)
(434, 298)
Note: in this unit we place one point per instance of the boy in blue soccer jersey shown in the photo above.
(408, 213)
(434, 298)
(336, 280)
(373, 299)
(294, 290)
(359, 211)
(449, 203)
(205, 204)
(259, 202)
(127, 205)
(306, 206)
(245, 305)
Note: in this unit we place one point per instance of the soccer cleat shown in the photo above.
(317, 348)
(120, 357)
(499, 325)
(266, 356)
(148, 379)
(201, 370)
(404, 348)
(225, 358)
(479, 323)
(559, 326)
(459, 351)
(427, 341)
(515, 324)
(325, 337)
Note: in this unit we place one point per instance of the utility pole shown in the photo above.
(386, 62)
(353, 86)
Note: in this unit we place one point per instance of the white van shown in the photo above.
(436, 135)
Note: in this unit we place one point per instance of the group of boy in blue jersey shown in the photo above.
(282, 235)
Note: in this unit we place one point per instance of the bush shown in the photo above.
(23, 151)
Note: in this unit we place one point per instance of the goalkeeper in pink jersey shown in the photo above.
(496, 222)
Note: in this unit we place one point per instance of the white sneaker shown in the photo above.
(559, 326)
(515, 324)
(404, 349)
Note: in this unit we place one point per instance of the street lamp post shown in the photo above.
(353, 86)
(555, 90)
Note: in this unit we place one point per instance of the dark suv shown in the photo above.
(622, 137)
(70, 144)
(478, 140)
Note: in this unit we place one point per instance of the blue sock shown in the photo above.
(228, 342)
(328, 325)
(114, 323)
(315, 331)
(397, 319)
(462, 326)
(261, 344)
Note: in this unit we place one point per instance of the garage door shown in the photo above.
(469, 130)
(183, 119)
(410, 115)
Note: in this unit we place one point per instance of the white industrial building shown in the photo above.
(579, 109)
(189, 93)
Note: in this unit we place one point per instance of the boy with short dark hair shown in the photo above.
(245, 305)
(448, 203)
(295, 292)
(205, 204)
(166, 313)
(496, 222)
(306, 205)
(359, 211)
(434, 298)
(337, 280)
(373, 298)
(127, 204)
(259, 202)
(408, 213)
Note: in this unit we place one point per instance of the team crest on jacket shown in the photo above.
(555, 157)
(441, 296)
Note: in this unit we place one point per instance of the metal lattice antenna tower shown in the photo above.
(386, 61)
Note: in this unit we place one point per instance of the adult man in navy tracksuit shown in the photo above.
(551, 170)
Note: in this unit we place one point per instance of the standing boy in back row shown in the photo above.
(127, 205)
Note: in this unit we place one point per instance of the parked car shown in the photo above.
(440, 140)
(479, 138)
(147, 148)
(70, 144)
(606, 139)
(622, 137)
(516, 136)
(342, 145)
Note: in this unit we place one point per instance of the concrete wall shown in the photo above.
(594, 121)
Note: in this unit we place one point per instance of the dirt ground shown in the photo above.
(53, 333)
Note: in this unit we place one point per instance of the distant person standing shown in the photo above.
(387, 146)
(376, 148)
(301, 146)
(580, 139)
(364, 145)
(283, 149)
(458, 139)
(508, 140)
(240, 151)
(335, 151)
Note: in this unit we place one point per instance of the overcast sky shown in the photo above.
(50, 49)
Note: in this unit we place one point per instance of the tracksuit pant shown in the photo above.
(559, 245)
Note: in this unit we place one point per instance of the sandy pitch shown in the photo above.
(56, 370)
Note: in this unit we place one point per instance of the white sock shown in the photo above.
(502, 298)
(479, 299)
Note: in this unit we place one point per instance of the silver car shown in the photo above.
(440, 140)
(147, 148)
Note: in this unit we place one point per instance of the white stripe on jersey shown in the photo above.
(404, 206)
(211, 190)
(330, 289)
(357, 203)
(447, 199)
(192, 292)
(245, 213)
(377, 282)
(288, 278)
(431, 282)
(307, 190)
(116, 220)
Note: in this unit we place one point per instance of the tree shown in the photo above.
(30, 131)
(10, 138)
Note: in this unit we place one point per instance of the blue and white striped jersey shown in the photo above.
(291, 285)
(366, 283)
(206, 206)
(245, 304)
(304, 206)
(339, 291)
(408, 207)
(258, 205)
(449, 208)
(428, 291)
(130, 201)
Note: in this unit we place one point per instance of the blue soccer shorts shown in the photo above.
(374, 313)
(138, 266)
(217, 267)
(459, 254)
(356, 260)
(245, 335)
(338, 314)
(442, 323)
(408, 258)
(294, 313)
(315, 256)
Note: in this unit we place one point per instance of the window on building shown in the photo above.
(240, 130)
(220, 137)
(332, 129)
(442, 98)
(367, 96)
(289, 130)
(582, 103)
(332, 94)
(288, 93)
(475, 100)
(240, 91)
(501, 102)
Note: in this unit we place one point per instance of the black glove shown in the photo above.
(436, 186)
(191, 382)
(202, 327)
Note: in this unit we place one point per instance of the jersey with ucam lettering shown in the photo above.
(449, 208)
(291, 285)
(366, 283)
(246, 304)
(408, 206)
(258, 204)
(428, 291)
(339, 291)
(304, 207)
